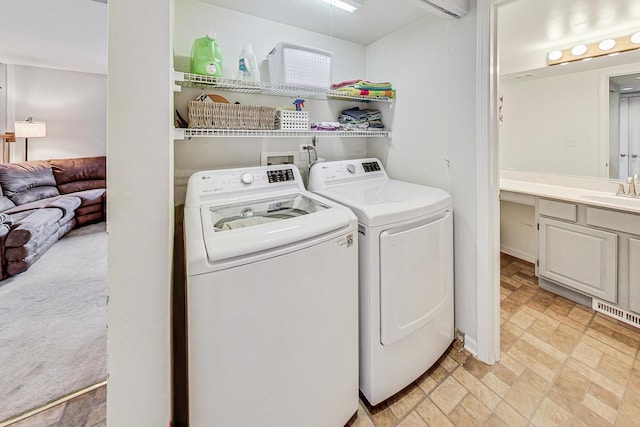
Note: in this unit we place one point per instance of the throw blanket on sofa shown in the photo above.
(5, 219)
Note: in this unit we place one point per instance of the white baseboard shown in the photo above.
(471, 345)
(51, 404)
(518, 254)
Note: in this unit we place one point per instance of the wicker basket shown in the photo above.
(216, 115)
(292, 120)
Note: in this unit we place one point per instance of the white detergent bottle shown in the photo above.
(248, 65)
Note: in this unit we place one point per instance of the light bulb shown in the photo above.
(579, 50)
(607, 44)
(554, 55)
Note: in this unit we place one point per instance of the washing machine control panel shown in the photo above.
(217, 183)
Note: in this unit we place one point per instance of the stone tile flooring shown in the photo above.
(562, 364)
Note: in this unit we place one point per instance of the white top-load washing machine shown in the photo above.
(272, 301)
(406, 271)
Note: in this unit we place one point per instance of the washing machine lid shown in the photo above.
(387, 201)
(251, 226)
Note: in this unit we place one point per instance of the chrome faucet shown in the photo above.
(632, 191)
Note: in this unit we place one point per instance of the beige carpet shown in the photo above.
(53, 321)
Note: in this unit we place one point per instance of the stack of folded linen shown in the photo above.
(359, 119)
(326, 126)
(365, 88)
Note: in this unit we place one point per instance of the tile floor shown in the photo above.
(562, 365)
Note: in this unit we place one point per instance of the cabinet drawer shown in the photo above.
(619, 221)
(521, 198)
(555, 209)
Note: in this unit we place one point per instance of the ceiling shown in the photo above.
(72, 34)
(61, 34)
(374, 20)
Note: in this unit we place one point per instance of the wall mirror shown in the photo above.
(557, 119)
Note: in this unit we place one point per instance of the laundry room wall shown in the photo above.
(193, 19)
(433, 65)
(419, 149)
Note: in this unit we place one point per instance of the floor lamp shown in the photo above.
(7, 139)
(30, 129)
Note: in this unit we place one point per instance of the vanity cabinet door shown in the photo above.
(634, 275)
(580, 258)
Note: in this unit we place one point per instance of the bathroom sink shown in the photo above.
(613, 200)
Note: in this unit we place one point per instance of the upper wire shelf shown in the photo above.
(264, 88)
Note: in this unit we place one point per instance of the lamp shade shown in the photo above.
(30, 129)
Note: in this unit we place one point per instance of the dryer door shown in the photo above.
(416, 276)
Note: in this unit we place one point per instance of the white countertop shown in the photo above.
(594, 192)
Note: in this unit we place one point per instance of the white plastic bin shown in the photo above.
(295, 65)
(292, 120)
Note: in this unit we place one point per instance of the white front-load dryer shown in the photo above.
(272, 301)
(406, 271)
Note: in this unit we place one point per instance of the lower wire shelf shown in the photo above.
(183, 133)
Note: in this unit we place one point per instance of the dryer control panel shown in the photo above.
(328, 174)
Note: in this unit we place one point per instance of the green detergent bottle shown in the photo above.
(206, 56)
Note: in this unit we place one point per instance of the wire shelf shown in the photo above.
(232, 133)
(264, 88)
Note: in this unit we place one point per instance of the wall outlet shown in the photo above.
(305, 147)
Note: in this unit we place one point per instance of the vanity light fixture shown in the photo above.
(609, 46)
(348, 5)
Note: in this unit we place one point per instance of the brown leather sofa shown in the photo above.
(40, 201)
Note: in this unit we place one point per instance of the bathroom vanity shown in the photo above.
(586, 239)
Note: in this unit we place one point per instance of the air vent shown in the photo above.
(617, 313)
